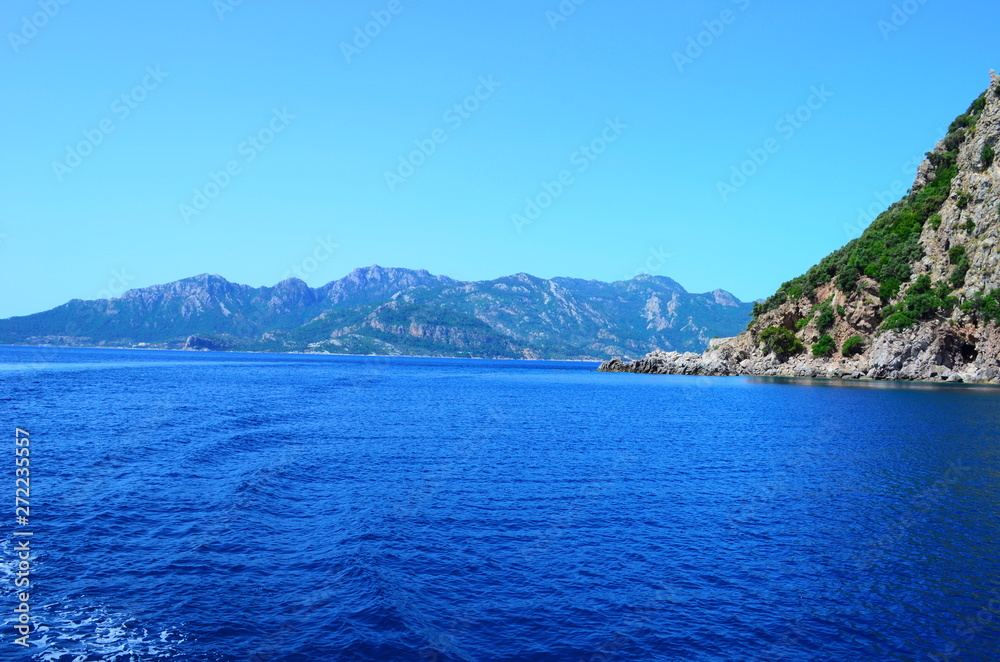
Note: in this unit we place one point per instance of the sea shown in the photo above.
(264, 507)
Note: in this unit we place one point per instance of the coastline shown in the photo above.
(823, 380)
(895, 357)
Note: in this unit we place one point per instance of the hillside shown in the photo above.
(916, 297)
(383, 311)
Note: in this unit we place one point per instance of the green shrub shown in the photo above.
(826, 318)
(781, 341)
(996, 90)
(853, 346)
(969, 226)
(888, 290)
(922, 301)
(985, 307)
(960, 258)
(988, 155)
(898, 321)
(841, 312)
(920, 298)
(848, 278)
(952, 142)
(935, 221)
(795, 292)
(803, 323)
(963, 200)
(963, 121)
(824, 346)
(957, 277)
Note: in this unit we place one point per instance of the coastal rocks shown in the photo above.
(933, 352)
(930, 352)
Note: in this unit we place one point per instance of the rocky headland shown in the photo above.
(916, 297)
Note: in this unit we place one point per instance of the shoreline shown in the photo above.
(704, 365)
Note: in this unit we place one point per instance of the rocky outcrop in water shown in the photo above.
(930, 352)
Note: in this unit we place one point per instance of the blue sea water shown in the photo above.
(189, 506)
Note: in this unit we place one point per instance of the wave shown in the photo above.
(81, 633)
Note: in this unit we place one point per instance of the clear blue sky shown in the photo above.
(668, 131)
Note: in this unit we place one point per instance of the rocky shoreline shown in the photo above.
(929, 353)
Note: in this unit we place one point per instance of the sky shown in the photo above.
(726, 144)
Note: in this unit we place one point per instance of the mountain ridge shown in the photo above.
(396, 311)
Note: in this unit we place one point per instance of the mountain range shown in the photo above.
(388, 311)
(915, 297)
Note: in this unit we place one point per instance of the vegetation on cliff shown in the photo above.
(915, 297)
(890, 245)
(825, 346)
(853, 346)
(984, 307)
(923, 301)
(780, 341)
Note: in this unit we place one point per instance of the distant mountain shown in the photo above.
(375, 310)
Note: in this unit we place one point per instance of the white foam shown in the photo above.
(94, 633)
(84, 632)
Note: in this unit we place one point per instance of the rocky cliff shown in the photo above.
(916, 297)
